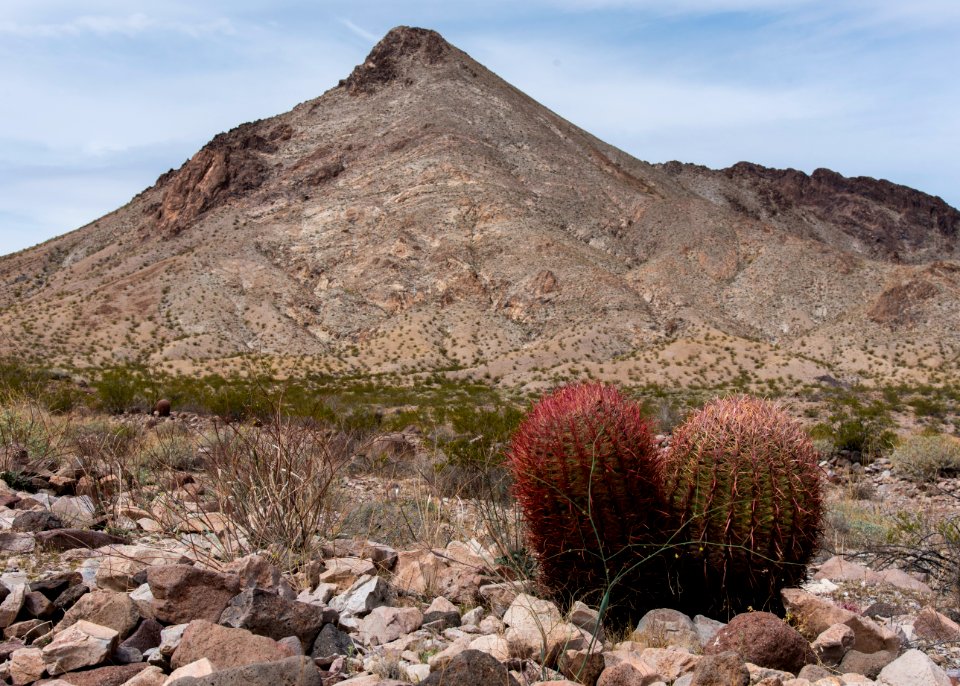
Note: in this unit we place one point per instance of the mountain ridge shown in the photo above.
(424, 214)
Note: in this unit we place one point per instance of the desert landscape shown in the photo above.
(375, 392)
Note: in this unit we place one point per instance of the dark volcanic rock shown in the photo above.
(472, 668)
(267, 614)
(384, 63)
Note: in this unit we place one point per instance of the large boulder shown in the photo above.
(664, 628)
(387, 624)
(913, 668)
(765, 640)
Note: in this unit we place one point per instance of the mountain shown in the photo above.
(424, 214)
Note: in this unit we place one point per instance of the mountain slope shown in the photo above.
(424, 214)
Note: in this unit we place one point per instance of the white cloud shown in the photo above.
(360, 32)
(106, 25)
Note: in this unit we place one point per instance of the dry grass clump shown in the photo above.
(925, 457)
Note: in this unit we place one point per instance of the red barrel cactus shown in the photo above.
(743, 485)
(587, 476)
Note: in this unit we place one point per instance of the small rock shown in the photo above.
(75, 511)
(706, 628)
(69, 539)
(38, 605)
(292, 671)
(344, 571)
(197, 668)
(664, 628)
(36, 520)
(82, 644)
(934, 626)
(10, 607)
(26, 665)
(18, 543)
(183, 593)
(626, 674)
(832, 644)
(269, 614)
(471, 668)
(581, 666)
(765, 640)
(385, 624)
(224, 646)
(913, 668)
(868, 664)
(113, 675)
(255, 571)
(330, 643)
(721, 669)
(443, 611)
(146, 636)
(366, 593)
(151, 676)
(106, 608)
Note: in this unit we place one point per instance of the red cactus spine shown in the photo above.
(744, 488)
(587, 476)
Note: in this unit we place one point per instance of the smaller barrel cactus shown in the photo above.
(587, 475)
(743, 485)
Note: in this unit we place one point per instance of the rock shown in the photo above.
(10, 607)
(492, 644)
(28, 630)
(255, 571)
(832, 644)
(366, 593)
(706, 628)
(581, 666)
(664, 628)
(765, 640)
(385, 624)
(586, 618)
(837, 568)
(670, 663)
(344, 571)
(330, 643)
(197, 668)
(82, 644)
(75, 511)
(26, 665)
(224, 646)
(320, 595)
(934, 626)
(70, 596)
(383, 556)
(38, 605)
(11, 542)
(868, 664)
(471, 668)
(121, 568)
(721, 669)
(53, 586)
(170, 638)
(151, 676)
(106, 608)
(268, 614)
(500, 596)
(145, 637)
(68, 539)
(182, 593)
(443, 611)
(812, 613)
(626, 674)
(292, 671)
(475, 616)
(428, 572)
(36, 520)
(913, 668)
(902, 580)
(114, 675)
(814, 672)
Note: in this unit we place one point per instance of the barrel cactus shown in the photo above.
(743, 485)
(587, 477)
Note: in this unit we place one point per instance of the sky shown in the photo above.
(99, 98)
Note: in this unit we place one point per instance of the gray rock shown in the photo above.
(292, 671)
(268, 614)
(471, 668)
(366, 593)
(330, 643)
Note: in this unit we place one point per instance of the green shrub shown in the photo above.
(926, 457)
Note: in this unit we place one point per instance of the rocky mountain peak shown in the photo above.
(390, 58)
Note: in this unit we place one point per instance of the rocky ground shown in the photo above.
(82, 606)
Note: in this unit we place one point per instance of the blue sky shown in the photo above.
(99, 98)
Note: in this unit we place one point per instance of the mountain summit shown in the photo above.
(423, 214)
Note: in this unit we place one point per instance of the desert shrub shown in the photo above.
(744, 490)
(30, 438)
(860, 427)
(925, 457)
(122, 389)
(277, 484)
